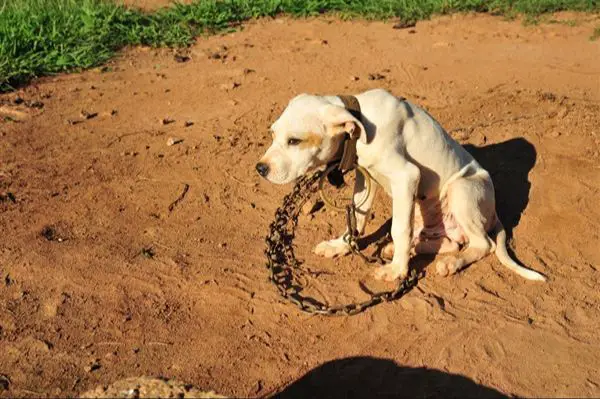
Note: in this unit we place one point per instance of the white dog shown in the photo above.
(442, 198)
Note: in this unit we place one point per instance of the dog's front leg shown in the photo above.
(404, 183)
(339, 246)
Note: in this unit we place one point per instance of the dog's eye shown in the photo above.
(294, 141)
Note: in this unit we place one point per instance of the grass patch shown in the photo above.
(595, 34)
(41, 37)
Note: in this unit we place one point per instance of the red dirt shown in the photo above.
(202, 310)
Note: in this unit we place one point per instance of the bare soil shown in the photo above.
(101, 280)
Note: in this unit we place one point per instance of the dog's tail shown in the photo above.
(506, 260)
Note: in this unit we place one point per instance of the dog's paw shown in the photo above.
(388, 251)
(390, 272)
(448, 266)
(332, 248)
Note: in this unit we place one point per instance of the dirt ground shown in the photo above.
(87, 177)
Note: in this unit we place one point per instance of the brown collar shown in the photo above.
(349, 157)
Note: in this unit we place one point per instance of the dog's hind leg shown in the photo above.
(441, 245)
(472, 204)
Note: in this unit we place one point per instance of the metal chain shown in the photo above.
(281, 260)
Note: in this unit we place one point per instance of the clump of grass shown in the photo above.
(41, 37)
(595, 34)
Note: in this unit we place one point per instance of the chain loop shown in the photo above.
(281, 260)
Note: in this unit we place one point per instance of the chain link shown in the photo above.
(281, 260)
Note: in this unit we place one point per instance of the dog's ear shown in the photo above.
(339, 121)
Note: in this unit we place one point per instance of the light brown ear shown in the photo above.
(338, 121)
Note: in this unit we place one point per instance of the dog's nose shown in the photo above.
(262, 169)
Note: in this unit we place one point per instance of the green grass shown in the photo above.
(42, 37)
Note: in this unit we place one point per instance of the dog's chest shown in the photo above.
(382, 181)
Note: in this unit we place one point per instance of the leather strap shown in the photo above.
(349, 157)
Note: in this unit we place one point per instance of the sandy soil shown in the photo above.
(91, 178)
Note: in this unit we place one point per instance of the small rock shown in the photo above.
(376, 76)
(248, 71)
(37, 104)
(233, 103)
(223, 245)
(461, 135)
(547, 96)
(405, 24)
(481, 139)
(4, 382)
(172, 141)
(311, 207)
(18, 100)
(88, 115)
(308, 207)
(181, 58)
(354, 78)
(50, 309)
(92, 367)
(166, 121)
(555, 134)
(564, 111)
(48, 233)
(188, 123)
(113, 112)
(229, 86)
(40, 346)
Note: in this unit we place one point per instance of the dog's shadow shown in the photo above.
(368, 377)
(509, 164)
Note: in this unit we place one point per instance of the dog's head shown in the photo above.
(308, 134)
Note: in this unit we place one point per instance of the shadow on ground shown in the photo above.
(368, 377)
(509, 164)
